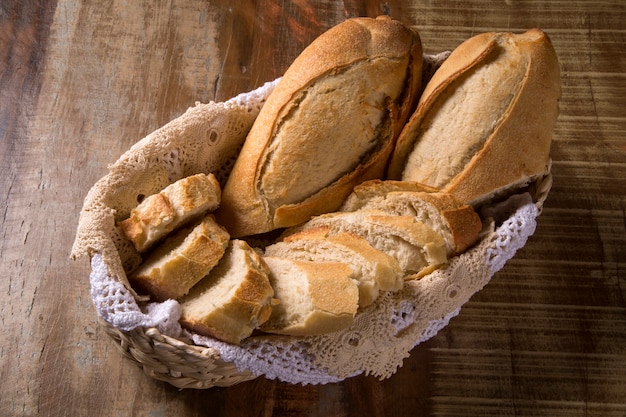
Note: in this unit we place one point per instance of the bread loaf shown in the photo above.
(374, 270)
(485, 120)
(330, 123)
(417, 248)
(233, 300)
(159, 214)
(183, 259)
(314, 297)
(456, 222)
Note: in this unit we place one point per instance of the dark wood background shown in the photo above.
(80, 82)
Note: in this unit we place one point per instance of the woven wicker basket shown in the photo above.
(187, 365)
(167, 359)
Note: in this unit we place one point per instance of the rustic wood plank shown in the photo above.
(80, 82)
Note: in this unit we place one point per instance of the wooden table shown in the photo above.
(80, 82)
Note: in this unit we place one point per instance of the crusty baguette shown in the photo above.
(374, 270)
(314, 297)
(457, 222)
(182, 260)
(233, 300)
(330, 123)
(417, 248)
(159, 214)
(485, 120)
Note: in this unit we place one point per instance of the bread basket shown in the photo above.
(206, 139)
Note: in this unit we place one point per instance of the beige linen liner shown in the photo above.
(206, 138)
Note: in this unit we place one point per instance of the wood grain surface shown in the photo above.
(80, 82)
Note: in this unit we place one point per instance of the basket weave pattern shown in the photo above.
(167, 359)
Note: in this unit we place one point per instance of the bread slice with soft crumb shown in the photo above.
(417, 248)
(182, 260)
(457, 222)
(314, 297)
(233, 299)
(374, 271)
(161, 213)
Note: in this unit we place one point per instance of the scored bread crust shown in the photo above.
(332, 297)
(516, 146)
(161, 213)
(248, 207)
(183, 259)
(233, 300)
(457, 222)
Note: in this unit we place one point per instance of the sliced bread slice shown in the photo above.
(417, 248)
(182, 260)
(161, 213)
(373, 270)
(457, 222)
(314, 297)
(233, 300)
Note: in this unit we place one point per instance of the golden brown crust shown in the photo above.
(517, 150)
(256, 200)
(465, 225)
